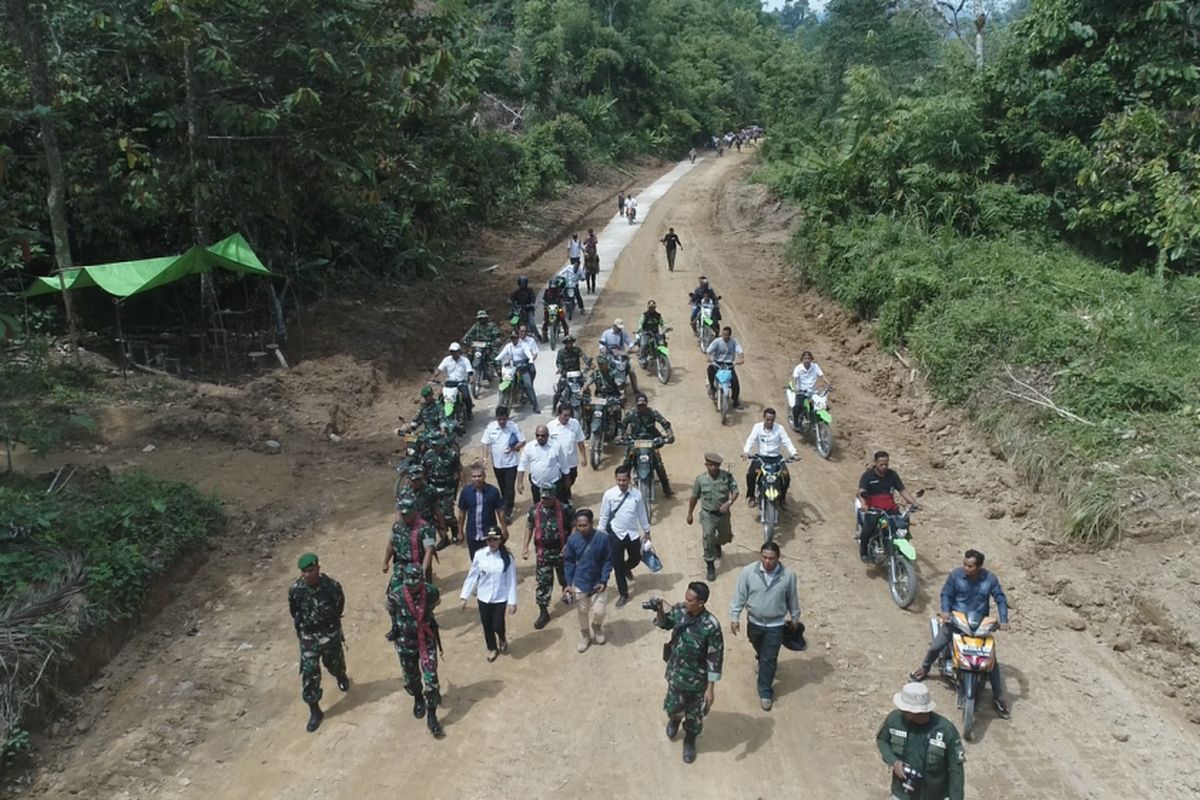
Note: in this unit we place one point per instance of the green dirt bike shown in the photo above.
(812, 418)
(889, 545)
(653, 354)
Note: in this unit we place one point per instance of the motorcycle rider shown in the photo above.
(766, 439)
(521, 351)
(569, 359)
(704, 292)
(671, 242)
(649, 328)
(456, 368)
(968, 590)
(604, 383)
(805, 378)
(725, 348)
(526, 301)
(875, 489)
(484, 330)
(643, 423)
(555, 292)
(631, 207)
(574, 275)
(617, 342)
(429, 414)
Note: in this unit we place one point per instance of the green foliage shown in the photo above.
(40, 400)
(127, 528)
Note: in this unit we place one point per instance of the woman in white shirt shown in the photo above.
(493, 579)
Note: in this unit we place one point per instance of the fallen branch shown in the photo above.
(900, 358)
(1032, 396)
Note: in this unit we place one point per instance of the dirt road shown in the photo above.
(215, 710)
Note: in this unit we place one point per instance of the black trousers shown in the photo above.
(492, 617)
(626, 554)
(506, 481)
(737, 386)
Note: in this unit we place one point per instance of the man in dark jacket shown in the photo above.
(922, 748)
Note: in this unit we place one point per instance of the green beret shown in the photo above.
(426, 391)
(307, 560)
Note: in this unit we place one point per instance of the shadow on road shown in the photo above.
(798, 670)
(364, 693)
(534, 642)
(458, 701)
(627, 631)
(726, 731)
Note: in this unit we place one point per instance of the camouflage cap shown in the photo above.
(416, 471)
(405, 505)
(307, 560)
(413, 572)
(481, 314)
(547, 489)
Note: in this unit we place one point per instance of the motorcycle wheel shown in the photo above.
(823, 438)
(554, 336)
(596, 449)
(706, 337)
(401, 482)
(968, 688)
(724, 405)
(662, 366)
(647, 490)
(770, 516)
(476, 384)
(902, 581)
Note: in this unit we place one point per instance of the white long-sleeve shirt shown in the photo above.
(544, 462)
(522, 351)
(489, 579)
(767, 441)
(497, 438)
(568, 438)
(806, 379)
(630, 519)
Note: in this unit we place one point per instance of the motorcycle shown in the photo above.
(571, 392)
(606, 418)
(722, 396)
(482, 368)
(640, 455)
(705, 326)
(653, 347)
(631, 213)
(892, 548)
(512, 385)
(554, 312)
(520, 314)
(770, 491)
(968, 660)
(813, 418)
(453, 409)
(619, 366)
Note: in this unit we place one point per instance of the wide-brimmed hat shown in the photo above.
(914, 698)
(481, 314)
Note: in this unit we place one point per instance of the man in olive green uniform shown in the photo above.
(694, 658)
(430, 414)
(411, 542)
(643, 423)
(415, 636)
(716, 491)
(316, 603)
(570, 358)
(443, 468)
(484, 330)
(424, 498)
(913, 736)
(550, 523)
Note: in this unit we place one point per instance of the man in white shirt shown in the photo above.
(456, 368)
(768, 439)
(544, 462)
(725, 349)
(522, 351)
(568, 434)
(805, 378)
(618, 342)
(624, 519)
(574, 274)
(502, 441)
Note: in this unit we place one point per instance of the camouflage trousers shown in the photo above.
(688, 705)
(417, 672)
(446, 498)
(314, 650)
(549, 564)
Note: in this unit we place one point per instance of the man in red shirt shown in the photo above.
(876, 490)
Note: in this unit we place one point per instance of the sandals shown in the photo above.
(919, 674)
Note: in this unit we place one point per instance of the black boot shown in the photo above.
(712, 571)
(672, 728)
(343, 682)
(315, 716)
(689, 748)
(435, 727)
(543, 618)
(418, 706)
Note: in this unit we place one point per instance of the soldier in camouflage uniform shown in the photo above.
(443, 467)
(570, 358)
(411, 542)
(715, 490)
(414, 634)
(424, 498)
(316, 603)
(642, 423)
(429, 415)
(694, 658)
(549, 524)
(484, 330)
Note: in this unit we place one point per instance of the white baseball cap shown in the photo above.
(454, 347)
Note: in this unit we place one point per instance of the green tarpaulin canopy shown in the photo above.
(127, 278)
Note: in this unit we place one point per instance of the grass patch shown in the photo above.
(1118, 350)
(78, 559)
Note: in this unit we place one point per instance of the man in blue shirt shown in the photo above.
(969, 590)
(588, 563)
(480, 506)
